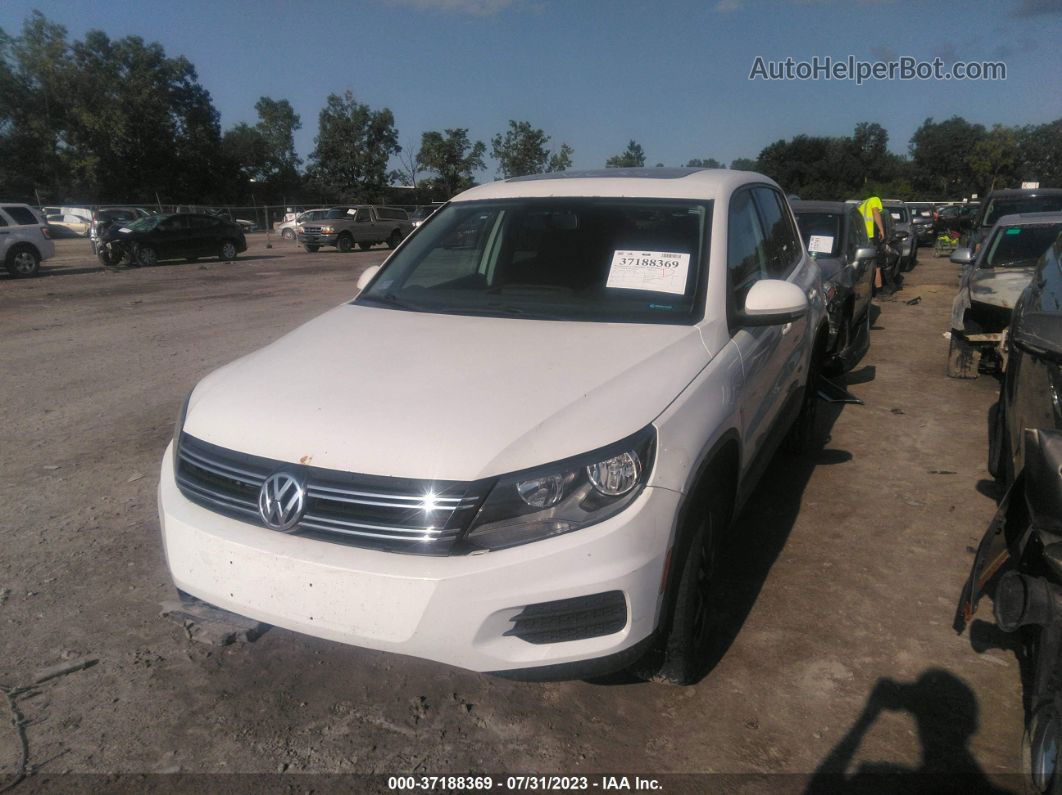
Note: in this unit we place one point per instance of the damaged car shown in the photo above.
(991, 282)
(190, 236)
(836, 238)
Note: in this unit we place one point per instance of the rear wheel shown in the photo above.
(394, 239)
(23, 262)
(228, 251)
(345, 243)
(146, 256)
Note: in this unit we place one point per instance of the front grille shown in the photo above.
(578, 618)
(398, 514)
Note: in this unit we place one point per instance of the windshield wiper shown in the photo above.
(391, 301)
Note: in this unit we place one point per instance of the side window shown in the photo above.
(746, 260)
(782, 245)
(362, 216)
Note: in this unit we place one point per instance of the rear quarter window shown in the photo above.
(22, 216)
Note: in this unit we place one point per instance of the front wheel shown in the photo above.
(288, 234)
(364, 245)
(394, 239)
(228, 251)
(682, 657)
(345, 243)
(963, 358)
(802, 435)
(311, 249)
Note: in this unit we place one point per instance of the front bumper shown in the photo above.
(318, 240)
(453, 609)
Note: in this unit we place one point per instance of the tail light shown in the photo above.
(46, 232)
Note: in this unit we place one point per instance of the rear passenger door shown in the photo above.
(759, 346)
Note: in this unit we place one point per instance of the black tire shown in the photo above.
(998, 453)
(228, 251)
(801, 436)
(394, 239)
(963, 358)
(682, 655)
(345, 243)
(288, 234)
(365, 245)
(23, 262)
(311, 249)
(146, 256)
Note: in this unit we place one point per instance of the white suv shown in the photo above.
(517, 449)
(24, 239)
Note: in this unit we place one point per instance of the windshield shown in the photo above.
(997, 208)
(118, 215)
(1020, 246)
(145, 224)
(594, 259)
(898, 214)
(821, 233)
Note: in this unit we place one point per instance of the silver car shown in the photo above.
(991, 282)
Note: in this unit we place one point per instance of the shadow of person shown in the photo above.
(945, 711)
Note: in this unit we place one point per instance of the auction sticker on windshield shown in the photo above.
(820, 244)
(658, 271)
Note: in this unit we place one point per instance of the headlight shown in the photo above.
(179, 428)
(328, 230)
(565, 496)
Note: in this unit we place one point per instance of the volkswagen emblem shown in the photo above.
(281, 501)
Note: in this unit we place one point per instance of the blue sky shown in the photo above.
(596, 73)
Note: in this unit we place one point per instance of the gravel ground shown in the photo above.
(838, 589)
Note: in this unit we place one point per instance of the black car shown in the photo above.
(171, 236)
(1031, 392)
(835, 236)
(1011, 202)
(953, 218)
(1019, 560)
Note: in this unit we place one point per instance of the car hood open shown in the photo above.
(420, 395)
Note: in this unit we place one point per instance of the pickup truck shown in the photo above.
(363, 224)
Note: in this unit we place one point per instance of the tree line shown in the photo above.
(102, 120)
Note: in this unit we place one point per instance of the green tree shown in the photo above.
(632, 157)
(940, 152)
(561, 160)
(452, 157)
(352, 149)
(744, 164)
(1040, 153)
(995, 159)
(707, 162)
(522, 150)
(870, 143)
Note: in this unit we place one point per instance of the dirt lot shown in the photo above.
(841, 576)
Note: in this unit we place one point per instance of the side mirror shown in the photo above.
(367, 276)
(773, 302)
(866, 252)
(901, 236)
(1039, 333)
(962, 256)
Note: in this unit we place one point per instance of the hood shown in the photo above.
(999, 286)
(420, 395)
